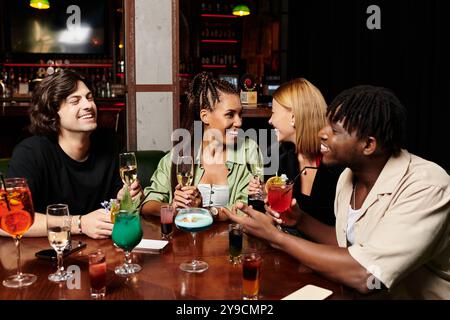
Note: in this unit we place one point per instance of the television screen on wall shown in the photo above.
(71, 27)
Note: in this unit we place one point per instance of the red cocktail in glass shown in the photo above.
(97, 274)
(279, 197)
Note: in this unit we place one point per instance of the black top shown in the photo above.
(320, 203)
(54, 177)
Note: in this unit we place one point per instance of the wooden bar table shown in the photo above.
(161, 278)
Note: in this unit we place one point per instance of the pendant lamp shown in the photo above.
(241, 10)
(40, 4)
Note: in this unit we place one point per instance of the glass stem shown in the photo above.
(194, 261)
(19, 266)
(59, 256)
(127, 259)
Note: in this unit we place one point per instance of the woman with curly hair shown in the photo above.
(221, 173)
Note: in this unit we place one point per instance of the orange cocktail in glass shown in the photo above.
(16, 217)
(251, 266)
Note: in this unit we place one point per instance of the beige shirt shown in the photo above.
(402, 236)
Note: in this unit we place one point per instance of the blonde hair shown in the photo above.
(309, 107)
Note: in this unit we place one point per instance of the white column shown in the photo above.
(153, 43)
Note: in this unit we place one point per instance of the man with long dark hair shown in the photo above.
(68, 160)
(392, 208)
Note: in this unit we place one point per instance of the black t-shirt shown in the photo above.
(320, 203)
(54, 177)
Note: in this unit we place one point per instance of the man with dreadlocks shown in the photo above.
(392, 208)
(221, 171)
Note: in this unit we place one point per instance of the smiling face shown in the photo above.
(338, 146)
(226, 117)
(282, 119)
(78, 112)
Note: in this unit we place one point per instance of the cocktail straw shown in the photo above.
(145, 198)
(296, 177)
(303, 170)
(6, 191)
(142, 201)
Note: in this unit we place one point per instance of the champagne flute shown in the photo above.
(58, 232)
(185, 170)
(128, 168)
(16, 217)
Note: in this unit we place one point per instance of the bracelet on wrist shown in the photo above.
(80, 231)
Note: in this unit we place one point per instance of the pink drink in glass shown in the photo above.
(166, 221)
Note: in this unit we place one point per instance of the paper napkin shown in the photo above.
(150, 246)
(309, 292)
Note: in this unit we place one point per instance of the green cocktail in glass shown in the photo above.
(193, 220)
(127, 233)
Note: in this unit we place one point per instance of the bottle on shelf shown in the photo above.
(4, 84)
(21, 77)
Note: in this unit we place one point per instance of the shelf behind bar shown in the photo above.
(262, 110)
(217, 66)
(211, 15)
(72, 65)
(218, 41)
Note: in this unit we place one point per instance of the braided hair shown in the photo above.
(371, 111)
(204, 93)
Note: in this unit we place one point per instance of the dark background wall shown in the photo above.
(330, 45)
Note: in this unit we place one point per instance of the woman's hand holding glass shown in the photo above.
(255, 187)
(187, 197)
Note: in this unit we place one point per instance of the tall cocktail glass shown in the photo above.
(127, 233)
(16, 217)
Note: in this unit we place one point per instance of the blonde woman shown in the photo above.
(298, 114)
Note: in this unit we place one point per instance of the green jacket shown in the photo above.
(239, 163)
